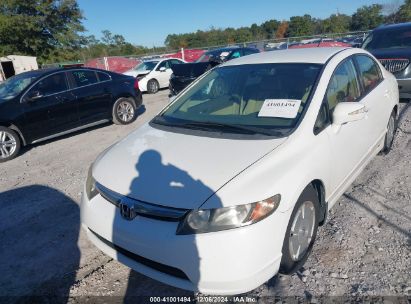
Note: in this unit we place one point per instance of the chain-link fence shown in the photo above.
(126, 62)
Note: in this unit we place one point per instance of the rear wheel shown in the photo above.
(152, 86)
(389, 136)
(124, 111)
(301, 231)
(9, 144)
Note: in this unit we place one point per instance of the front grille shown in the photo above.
(142, 208)
(175, 272)
(395, 65)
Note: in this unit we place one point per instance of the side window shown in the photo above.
(165, 64)
(370, 73)
(323, 119)
(343, 86)
(236, 54)
(52, 84)
(103, 76)
(249, 52)
(175, 61)
(82, 78)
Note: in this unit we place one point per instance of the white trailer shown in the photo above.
(14, 64)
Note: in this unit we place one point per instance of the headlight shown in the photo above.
(91, 190)
(209, 220)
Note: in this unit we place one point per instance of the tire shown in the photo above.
(294, 258)
(389, 136)
(124, 111)
(10, 144)
(152, 86)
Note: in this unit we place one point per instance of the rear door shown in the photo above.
(93, 95)
(50, 107)
(376, 94)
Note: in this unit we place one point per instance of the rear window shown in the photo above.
(387, 39)
(82, 78)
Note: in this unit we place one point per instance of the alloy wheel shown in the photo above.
(153, 86)
(8, 144)
(302, 230)
(125, 111)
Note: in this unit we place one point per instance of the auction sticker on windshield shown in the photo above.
(283, 108)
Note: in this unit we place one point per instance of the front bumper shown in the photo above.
(224, 263)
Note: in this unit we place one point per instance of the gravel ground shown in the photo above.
(363, 250)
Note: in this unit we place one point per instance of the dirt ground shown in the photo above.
(363, 250)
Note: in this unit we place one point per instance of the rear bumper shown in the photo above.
(221, 263)
(177, 84)
(138, 99)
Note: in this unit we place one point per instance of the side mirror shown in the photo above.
(162, 69)
(348, 111)
(34, 95)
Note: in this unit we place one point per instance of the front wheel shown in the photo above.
(301, 231)
(124, 111)
(389, 136)
(152, 86)
(9, 144)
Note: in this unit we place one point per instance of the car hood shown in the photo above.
(135, 73)
(173, 169)
(392, 53)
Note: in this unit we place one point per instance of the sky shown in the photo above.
(148, 22)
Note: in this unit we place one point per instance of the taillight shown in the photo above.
(136, 84)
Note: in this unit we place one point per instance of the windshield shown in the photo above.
(262, 96)
(16, 84)
(388, 39)
(145, 66)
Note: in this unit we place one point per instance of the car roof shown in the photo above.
(46, 71)
(154, 60)
(318, 55)
(226, 49)
(393, 26)
(40, 72)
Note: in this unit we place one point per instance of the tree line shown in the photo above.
(53, 30)
(365, 18)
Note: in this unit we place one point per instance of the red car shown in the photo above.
(323, 43)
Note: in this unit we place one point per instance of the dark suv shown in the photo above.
(184, 74)
(391, 44)
(42, 104)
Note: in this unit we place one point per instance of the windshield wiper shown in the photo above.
(207, 125)
(227, 127)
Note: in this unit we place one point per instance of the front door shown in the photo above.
(49, 107)
(350, 142)
(163, 76)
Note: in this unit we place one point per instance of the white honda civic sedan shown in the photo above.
(228, 184)
(153, 75)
